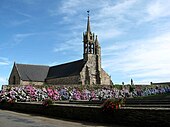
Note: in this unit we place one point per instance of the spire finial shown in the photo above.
(88, 12)
(88, 22)
(97, 42)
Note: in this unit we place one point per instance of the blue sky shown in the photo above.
(134, 35)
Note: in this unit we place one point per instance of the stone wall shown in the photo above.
(19, 81)
(88, 74)
(65, 80)
(126, 116)
(83, 75)
(31, 83)
(91, 63)
(106, 80)
(14, 74)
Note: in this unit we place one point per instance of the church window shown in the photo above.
(93, 48)
(90, 37)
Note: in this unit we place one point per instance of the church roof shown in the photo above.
(67, 69)
(32, 72)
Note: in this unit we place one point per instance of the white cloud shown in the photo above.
(4, 61)
(3, 81)
(72, 7)
(18, 22)
(154, 10)
(106, 16)
(20, 37)
(158, 8)
(107, 8)
(142, 59)
(71, 45)
(68, 6)
(107, 32)
(120, 8)
(24, 14)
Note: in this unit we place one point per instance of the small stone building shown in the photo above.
(86, 71)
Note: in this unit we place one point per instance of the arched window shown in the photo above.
(91, 37)
(14, 80)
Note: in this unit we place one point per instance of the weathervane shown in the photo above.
(88, 12)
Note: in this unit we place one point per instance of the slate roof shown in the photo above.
(32, 72)
(67, 69)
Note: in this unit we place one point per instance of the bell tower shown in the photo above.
(88, 40)
(92, 56)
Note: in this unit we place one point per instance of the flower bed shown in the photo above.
(111, 105)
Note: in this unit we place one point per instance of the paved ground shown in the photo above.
(13, 119)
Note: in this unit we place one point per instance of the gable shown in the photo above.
(67, 69)
(32, 72)
(14, 71)
(14, 76)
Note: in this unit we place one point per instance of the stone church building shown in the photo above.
(86, 71)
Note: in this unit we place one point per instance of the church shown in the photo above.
(86, 71)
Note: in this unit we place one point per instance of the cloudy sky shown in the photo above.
(134, 35)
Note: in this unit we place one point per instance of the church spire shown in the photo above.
(97, 47)
(97, 42)
(88, 40)
(88, 22)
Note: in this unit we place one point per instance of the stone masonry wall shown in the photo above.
(11, 78)
(88, 74)
(65, 80)
(31, 83)
(131, 117)
(106, 80)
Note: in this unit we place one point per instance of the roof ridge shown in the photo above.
(67, 63)
(32, 64)
(68, 69)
